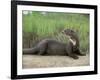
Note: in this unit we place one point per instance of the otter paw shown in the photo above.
(75, 57)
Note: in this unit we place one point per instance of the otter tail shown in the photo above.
(29, 51)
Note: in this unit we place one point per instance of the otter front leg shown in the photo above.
(70, 52)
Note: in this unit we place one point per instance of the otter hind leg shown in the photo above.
(42, 49)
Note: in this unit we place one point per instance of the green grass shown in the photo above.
(37, 26)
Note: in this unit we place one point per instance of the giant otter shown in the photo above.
(53, 47)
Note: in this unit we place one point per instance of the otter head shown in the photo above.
(71, 35)
(69, 32)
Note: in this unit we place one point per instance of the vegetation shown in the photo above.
(39, 25)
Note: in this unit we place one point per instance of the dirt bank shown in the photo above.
(35, 61)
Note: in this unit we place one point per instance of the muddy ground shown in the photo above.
(36, 61)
